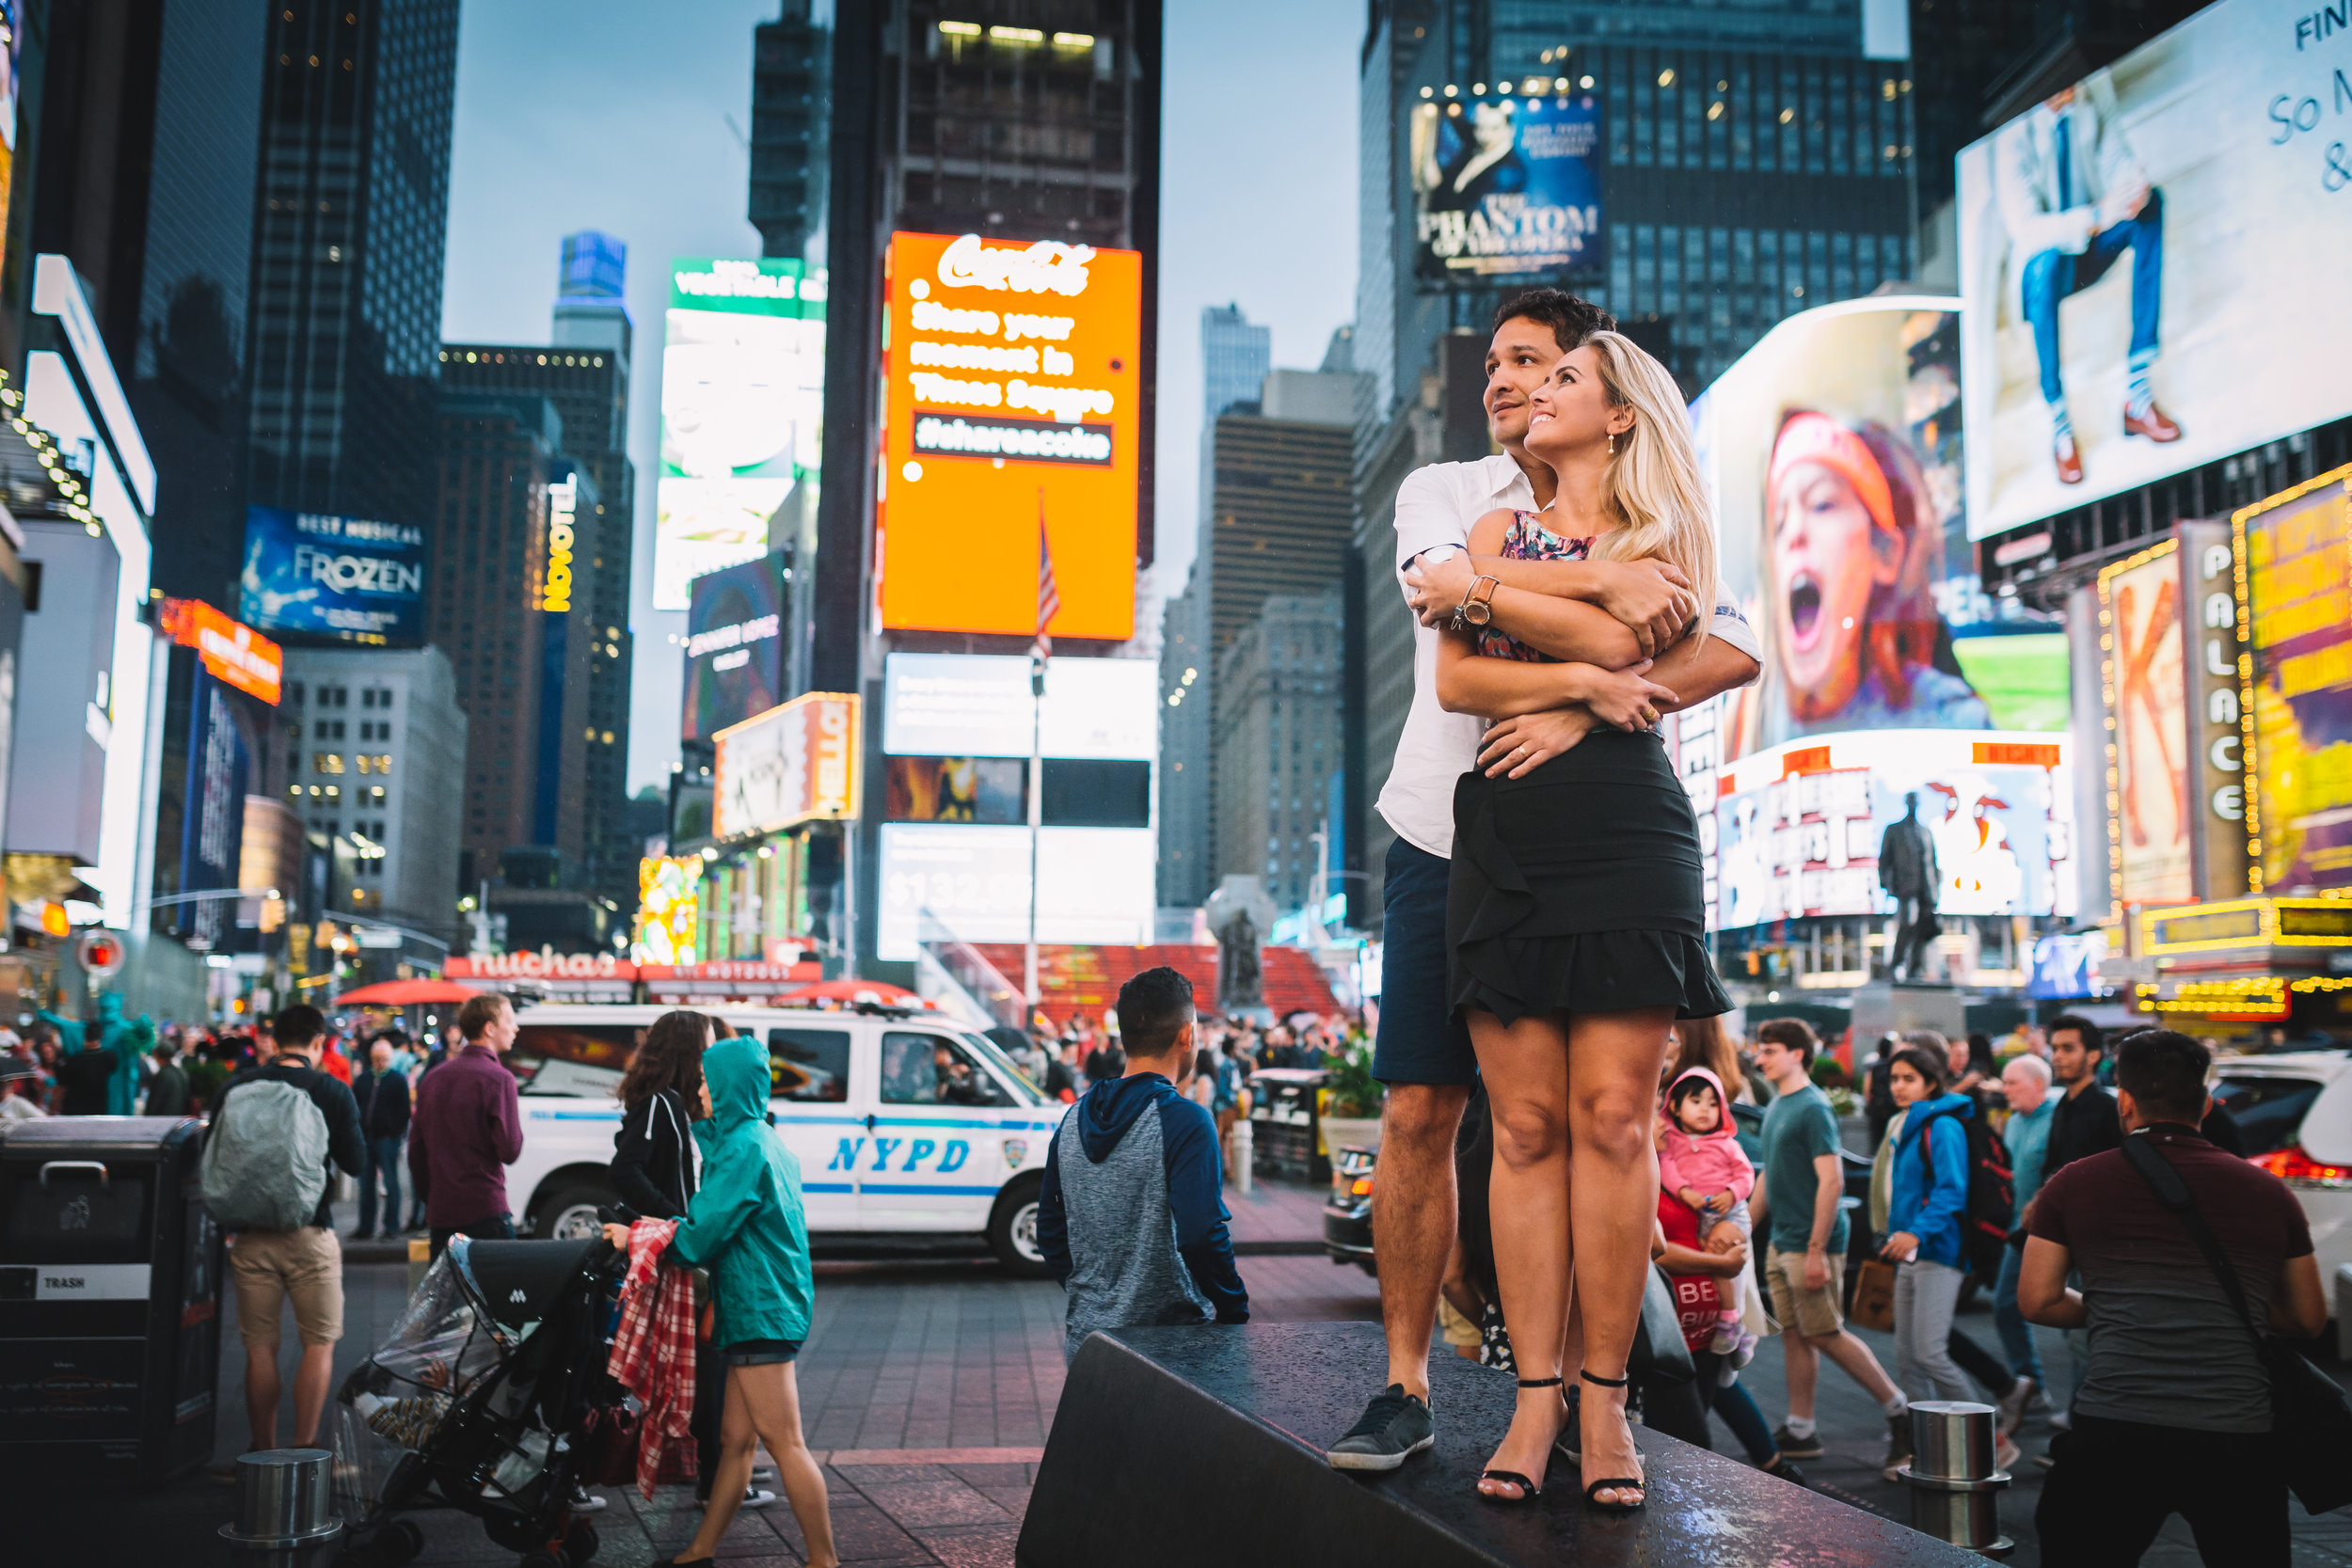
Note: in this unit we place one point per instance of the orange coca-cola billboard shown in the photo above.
(1015, 382)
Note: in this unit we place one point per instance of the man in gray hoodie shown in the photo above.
(1131, 1220)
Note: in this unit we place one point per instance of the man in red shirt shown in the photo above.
(465, 1130)
(2173, 1413)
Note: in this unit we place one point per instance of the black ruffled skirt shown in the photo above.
(1578, 888)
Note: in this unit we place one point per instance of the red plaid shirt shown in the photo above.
(653, 1355)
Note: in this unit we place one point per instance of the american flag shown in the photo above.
(1048, 595)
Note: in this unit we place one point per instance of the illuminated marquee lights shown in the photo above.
(563, 499)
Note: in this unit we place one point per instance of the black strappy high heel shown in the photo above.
(1620, 1483)
(1528, 1491)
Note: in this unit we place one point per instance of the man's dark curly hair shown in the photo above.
(1572, 318)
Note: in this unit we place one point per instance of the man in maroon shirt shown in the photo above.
(2173, 1415)
(465, 1130)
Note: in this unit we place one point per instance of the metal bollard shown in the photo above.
(285, 1505)
(1240, 1152)
(1955, 1490)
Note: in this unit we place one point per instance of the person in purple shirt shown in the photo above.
(465, 1130)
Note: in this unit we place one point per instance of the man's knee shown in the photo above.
(1422, 1119)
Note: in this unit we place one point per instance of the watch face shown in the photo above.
(1477, 612)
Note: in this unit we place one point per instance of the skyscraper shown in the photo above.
(584, 375)
(1000, 120)
(1234, 358)
(151, 116)
(790, 61)
(1278, 743)
(358, 97)
(489, 554)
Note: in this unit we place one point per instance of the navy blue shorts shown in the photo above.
(1420, 1041)
(762, 1353)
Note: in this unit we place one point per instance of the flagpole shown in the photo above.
(1036, 817)
(1040, 649)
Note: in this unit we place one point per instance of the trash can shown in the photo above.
(109, 1297)
(1286, 1134)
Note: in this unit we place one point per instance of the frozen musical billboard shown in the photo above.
(1015, 382)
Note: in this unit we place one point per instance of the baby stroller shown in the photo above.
(478, 1401)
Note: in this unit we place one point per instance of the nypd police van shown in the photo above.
(906, 1124)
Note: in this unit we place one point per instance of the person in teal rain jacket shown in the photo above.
(746, 1226)
(1927, 1201)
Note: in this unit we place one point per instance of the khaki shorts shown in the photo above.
(271, 1267)
(1811, 1313)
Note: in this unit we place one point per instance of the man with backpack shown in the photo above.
(277, 1131)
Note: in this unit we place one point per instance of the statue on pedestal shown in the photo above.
(1239, 913)
(1907, 869)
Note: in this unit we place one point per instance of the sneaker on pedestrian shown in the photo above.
(1782, 1467)
(1395, 1425)
(2043, 1460)
(1726, 1339)
(585, 1502)
(758, 1496)
(2006, 1453)
(2061, 1420)
(1793, 1447)
(2011, 1407)
(1897, 1443)
(762, 1473)
(1745, 1353)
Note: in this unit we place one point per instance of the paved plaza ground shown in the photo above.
(928, 1390)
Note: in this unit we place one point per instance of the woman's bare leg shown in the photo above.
(773, 1394)
(1525, 1067)
(735, 1440)
(1613, 1062)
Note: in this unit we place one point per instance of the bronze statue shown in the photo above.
(1907, 869)
(1240, 982)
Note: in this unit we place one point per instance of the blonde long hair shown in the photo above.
(1652, 485)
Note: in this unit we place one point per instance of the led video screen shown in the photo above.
(1832, 449)
(2150, 258)
(742, 407)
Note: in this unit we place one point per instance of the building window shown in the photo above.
(325, 762)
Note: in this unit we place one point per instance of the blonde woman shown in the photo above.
(1575, 921)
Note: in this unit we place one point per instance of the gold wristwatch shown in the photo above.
(1475, 609)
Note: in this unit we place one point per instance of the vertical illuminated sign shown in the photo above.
(1014, 395)
(555, 596)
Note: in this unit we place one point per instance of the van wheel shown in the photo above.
(569, 1214)
(1012, 1228)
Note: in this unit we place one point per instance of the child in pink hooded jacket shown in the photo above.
(1701, 1163)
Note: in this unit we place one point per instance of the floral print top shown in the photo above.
(1529, 540)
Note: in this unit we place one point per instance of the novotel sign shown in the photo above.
(555, 596)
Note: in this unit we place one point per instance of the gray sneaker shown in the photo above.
(1395, 1425)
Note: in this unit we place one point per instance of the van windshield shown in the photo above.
(986, 1049)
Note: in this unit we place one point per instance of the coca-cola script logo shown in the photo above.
(1047, 267)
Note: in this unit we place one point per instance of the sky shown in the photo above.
(575, 115)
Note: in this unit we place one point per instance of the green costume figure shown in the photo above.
(130, 1040)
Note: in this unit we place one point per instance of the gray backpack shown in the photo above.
(265, 1161)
